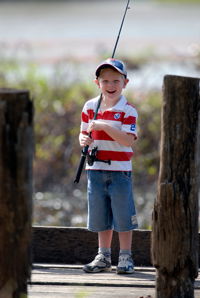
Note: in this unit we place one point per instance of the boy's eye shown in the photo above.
(115, 81)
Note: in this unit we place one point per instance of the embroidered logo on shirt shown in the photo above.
(117, 116)
(132, 127)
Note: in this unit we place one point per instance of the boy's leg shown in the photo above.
(125, 240)
(125, 264)
(102, 261)
(105, 238)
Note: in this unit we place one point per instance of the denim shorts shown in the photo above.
(110, 201)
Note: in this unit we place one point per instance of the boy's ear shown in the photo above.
(96, 81)
(126, 82)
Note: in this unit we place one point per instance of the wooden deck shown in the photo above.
(57, 281)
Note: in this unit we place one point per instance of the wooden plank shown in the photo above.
(57, 281)
(78, 277)
(88, 292)
(74, 275)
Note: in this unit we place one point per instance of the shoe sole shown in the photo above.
(124, 272)
(98, 270)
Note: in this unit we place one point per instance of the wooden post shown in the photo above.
(175, 215)
(16, 154)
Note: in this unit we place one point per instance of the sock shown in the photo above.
(105, 251)
(125, 252)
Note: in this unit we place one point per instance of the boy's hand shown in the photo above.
(96, 125)
(84, 140)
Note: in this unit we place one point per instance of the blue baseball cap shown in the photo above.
(113, 63)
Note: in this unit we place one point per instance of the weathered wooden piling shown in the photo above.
(16, 154)
(175, 215)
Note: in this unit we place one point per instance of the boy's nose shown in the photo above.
(111, 83)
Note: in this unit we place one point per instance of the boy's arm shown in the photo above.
(122, 137)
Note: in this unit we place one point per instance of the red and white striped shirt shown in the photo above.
(122, 116)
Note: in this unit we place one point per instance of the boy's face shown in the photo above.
(111, 83)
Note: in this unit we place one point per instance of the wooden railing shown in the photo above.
(64, 245)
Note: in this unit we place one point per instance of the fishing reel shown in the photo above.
(92, 157)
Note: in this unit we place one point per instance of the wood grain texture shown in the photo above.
(175, 215)
(16, 154)
(66, 245)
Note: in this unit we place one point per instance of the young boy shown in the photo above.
(110, 198)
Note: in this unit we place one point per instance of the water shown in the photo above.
(49, 32)
(93, 22)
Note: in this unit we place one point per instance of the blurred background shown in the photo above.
(52, 49)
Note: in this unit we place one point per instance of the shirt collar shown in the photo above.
(120, 104)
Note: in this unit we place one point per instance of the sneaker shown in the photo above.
(125, 264)
(99, 264)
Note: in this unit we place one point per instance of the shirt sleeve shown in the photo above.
(129, 123)
(84, 119)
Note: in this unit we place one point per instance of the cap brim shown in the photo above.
(111, 66)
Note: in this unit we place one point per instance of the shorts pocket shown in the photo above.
(126, 174)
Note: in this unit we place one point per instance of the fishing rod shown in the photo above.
(84, 152)
(120, 29)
